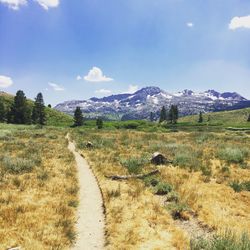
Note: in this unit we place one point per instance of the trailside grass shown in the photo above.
(39, 187)
(142, 214)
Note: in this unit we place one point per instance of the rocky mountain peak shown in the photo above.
(138, 105)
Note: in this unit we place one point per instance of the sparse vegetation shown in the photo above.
(134, 165)
(196, 183)
(227, 241)
(163, 188)
(34, 184)
(240, 186)
(232, 154)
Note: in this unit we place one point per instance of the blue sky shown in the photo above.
(83, 48)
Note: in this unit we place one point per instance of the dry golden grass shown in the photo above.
(135, 217)
(37, 206)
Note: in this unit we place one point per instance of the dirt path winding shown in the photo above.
(90, 224)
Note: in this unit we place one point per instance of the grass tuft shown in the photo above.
(134, 165)
(228, 241)
(17, 165)
(232, 154)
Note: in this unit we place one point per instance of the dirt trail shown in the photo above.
(90, 224)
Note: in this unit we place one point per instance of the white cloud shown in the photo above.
(96, 75)
(132, 89)
(240, 22)
(46, 4)
(56, 87)
(5, 81)
(189, 24)
(78, 78)
(103, 91)
(14, 4)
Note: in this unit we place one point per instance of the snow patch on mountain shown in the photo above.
(138, 105)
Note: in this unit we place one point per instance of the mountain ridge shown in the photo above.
(140, 104)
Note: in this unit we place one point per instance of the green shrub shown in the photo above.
(202, 137)
(186, 157)
(244, 165)
(17, 165)
(228, 241)
(163, 188)
(134, 165)
(176, 209)
(232, 154)
(128, 125)
(173, 197)
(238, 187)
(99, 142)
(206, 170)
(150, 181)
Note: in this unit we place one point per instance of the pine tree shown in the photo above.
(200, 118)
(248, 119)
(176, 114)
(151, 117)
(49, 106)
(99, 123)
(38, 112)
(163, 114)
(2, 111)
(173, 114)
(78, 117)
(19, 112)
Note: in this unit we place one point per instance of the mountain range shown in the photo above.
(140, 104)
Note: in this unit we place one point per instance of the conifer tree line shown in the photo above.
(171, 116)
(21, 112)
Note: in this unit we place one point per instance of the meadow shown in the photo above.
(199, 200)
(39, 187)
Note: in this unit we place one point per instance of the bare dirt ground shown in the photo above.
(91, 221)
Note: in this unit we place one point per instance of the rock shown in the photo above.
(89, 144)
(158, 159)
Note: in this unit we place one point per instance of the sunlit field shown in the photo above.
(200, 199)
(39, 188)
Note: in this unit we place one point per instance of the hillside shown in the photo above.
(54, 117)
(226, 118)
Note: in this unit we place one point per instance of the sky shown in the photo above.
(77, 49)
